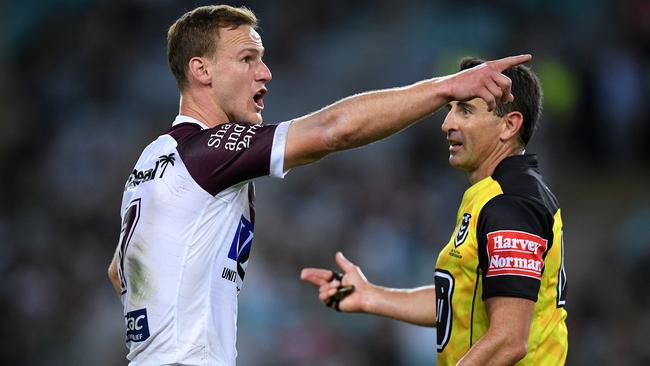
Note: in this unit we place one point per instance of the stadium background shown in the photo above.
(85, 86)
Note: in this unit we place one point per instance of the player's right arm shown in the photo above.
(415, 306)
(364, 118)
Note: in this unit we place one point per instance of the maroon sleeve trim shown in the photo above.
(228, 154)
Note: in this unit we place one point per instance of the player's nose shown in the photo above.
(263, 73)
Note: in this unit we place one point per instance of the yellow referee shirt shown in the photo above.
(507, 242)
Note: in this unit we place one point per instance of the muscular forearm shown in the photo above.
(364, 118)
(361, 119)
(416, 306)
(494, 350)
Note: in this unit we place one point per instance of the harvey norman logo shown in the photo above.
(515, 253)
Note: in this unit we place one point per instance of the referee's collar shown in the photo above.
(187, 119)
(515, 162)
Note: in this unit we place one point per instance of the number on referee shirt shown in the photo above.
(131, 217)
(444, 292)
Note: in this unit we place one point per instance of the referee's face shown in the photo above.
(472, 134)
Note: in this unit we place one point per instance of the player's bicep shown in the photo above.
(306, 142)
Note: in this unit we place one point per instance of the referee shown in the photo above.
(500, 286)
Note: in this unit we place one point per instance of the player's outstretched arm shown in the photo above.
(416, 306)
(361, 119)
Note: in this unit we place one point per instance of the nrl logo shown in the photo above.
(462, 230)
(141, 176)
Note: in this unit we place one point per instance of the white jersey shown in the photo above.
(187, 228)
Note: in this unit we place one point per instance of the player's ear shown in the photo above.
(199, 70)
(512, 123)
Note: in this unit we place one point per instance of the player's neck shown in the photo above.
(200, 107)
(490, 163)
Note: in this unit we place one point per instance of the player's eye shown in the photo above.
(246, 59)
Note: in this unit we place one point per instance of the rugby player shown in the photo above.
(188, 212)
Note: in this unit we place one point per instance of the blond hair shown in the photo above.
(195, 34)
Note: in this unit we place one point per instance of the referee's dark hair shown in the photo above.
(527, 91)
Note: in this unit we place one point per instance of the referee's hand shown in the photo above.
(356, 300)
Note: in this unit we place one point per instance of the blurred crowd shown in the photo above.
(86, 86)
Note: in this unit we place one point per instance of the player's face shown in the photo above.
(240, 74)
(472, 133)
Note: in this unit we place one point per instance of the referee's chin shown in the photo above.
(454, 162)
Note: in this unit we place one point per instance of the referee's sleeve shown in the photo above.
(514, 234)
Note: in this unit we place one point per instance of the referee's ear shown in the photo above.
(511, 125)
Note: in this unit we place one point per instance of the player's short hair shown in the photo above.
(195, 34)
(527, 91)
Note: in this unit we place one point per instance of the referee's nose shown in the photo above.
(450, 123)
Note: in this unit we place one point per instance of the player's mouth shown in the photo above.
(258, 99)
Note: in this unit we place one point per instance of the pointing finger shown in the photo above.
(508, 62)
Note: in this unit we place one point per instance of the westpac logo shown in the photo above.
(141, 176)
(137, 326)
(240, 248)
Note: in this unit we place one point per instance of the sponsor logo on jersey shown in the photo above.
(240, 250)
(229, 274)
(463, 229)
(233, 137)
(515, 253)
(137, 326)
(138, 177)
